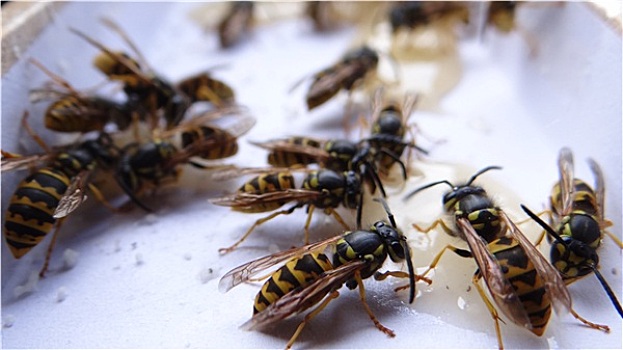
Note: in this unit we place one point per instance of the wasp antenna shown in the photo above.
(411, 274)
(545, 226)
(482, 171)
(390, 216)
(418, 190)
(608, 290)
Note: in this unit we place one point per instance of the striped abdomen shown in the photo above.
(284, 158)
(266, 183)
(528, 285)
(584, 199)
(203, 87)
(296, 273)
(73, 114)
(211, 143)
(29, 216)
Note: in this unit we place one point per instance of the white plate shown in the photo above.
(151, 281)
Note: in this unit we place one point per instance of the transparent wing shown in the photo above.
(554, 284)
(227, 172)
(12, 161)
(244, 200)
(565, 167)
(73, 196)
(500, 288)
(284, 145)
(301, 299)
(246, 271)
(600, 187)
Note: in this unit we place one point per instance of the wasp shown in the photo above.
(578, 224)
(388, 132)
(149, 93)
(235, 23)
(72, 111)
(157, 162)
(45, 197)
(309, 277)
(414, 14)
(335, 154)
(524, 286)
(350, 71)
(323, 188)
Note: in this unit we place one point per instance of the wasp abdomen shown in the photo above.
(296, 273)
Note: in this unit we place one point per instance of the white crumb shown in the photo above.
(70, 258)
(117, 246)
(148, 220)
(61, 294)
(188, 257)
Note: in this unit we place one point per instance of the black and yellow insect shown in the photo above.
(334, 154)
(157, 162)
(310, 277)
(149, 94)
(388, 133)
(501, 15)
(346, 74)
(72, 111)
(523, 285)
(324, 189)
(50, 193)
(578, 224)
(236, 22)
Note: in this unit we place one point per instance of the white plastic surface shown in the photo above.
(150, 281)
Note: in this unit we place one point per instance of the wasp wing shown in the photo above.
(227, 172)
(73, 196)
(500, 288)
(554, 284)
(12, 161)
(246, 271)
(567, 186)
(301, 299)
(245, 201)
(600, 187)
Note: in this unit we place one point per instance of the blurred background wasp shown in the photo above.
(348, 73)
(149, 93)
(523, 285)
(309, 277)
(154, 163)
(72, 111)
(577, 224)
(236, 22)
(45, 197)
(409, 15)
(323, 188)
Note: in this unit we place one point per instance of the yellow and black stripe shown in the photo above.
(203, 87)
(584, 199)
(296, 273)
(284, 158)
(266, 183)
(225, 144)
(528, 285)
(29, 215)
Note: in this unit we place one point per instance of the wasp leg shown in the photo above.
(310, 212)
(492, 310)
(437, 222)
(400, 274)
(48, 254)
(614, 238)
(362, 296)
(337, 217)
(256, 224)
(311, 315)
(100, 198)
(602, 327)
(33, 134)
